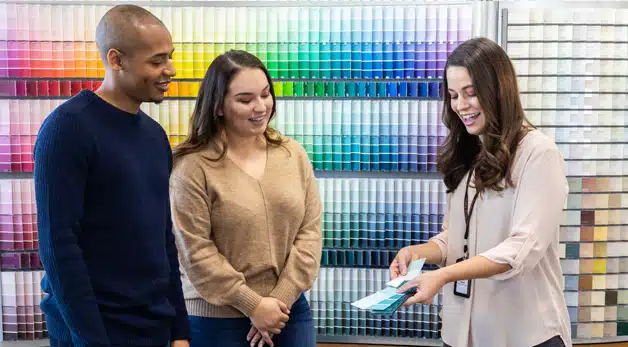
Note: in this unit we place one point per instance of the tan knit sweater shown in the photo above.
(241, 239)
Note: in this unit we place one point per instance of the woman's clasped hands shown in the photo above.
(269, 317)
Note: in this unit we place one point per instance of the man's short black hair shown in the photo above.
(117, 29)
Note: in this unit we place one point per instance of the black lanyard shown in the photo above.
(467, 213)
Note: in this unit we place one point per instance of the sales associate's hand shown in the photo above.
(270, 315)
(399, 265)
(427, 286)
(256, 337)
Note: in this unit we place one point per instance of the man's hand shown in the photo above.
(256, 337)
(180, 343)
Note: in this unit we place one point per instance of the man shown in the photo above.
(102, 171)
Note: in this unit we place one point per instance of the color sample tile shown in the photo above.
(22, 318)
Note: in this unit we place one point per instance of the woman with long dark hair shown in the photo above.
(506, 188)
(246, 215)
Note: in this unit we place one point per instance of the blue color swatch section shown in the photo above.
(361, 258)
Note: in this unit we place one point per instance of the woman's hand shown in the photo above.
(256, 337)
(427, 285)
(270, 315)
(399, 265)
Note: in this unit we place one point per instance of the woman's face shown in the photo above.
(248, 104)
(464, 101)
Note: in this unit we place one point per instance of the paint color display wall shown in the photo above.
(359, 85)
(573, 70)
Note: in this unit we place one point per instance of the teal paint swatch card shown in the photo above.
(387, 300)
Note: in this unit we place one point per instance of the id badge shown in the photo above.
(463, 287)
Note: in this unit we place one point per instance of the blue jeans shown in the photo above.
(231, 332)
(59, 343)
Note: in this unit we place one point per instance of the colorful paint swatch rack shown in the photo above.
(572, 71)
(591, 254)
(342, 135)
(360, 87)
(404, 41)
(186, 89)
(339, 135)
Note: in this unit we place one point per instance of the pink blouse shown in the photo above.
(518, 226)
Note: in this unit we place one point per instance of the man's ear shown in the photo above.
(114, 58)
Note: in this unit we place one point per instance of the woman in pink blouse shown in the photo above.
(498, 251)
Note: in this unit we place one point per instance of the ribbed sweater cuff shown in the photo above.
(246, 300)
(180, 329)
(285, 292)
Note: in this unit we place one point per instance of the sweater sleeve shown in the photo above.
(303, 263)
(536, 214)
(180, 329)
(211, 274)
(60, 176)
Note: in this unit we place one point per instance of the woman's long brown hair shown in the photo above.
(495, 83)
(205, 124)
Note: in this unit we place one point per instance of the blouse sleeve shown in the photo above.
(536, 215)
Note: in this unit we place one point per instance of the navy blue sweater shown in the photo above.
(105, 232)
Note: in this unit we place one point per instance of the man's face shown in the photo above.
(147, 70)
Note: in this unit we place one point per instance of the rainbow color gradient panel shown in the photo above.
(360, 87)
(185, 89)
(293, 42)
(343, 52)
(284, 60)
(347, 135)
(339, 135)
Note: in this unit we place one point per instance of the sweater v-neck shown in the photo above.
(266, 166)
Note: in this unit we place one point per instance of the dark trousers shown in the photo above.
(231, 332)
(555, 341)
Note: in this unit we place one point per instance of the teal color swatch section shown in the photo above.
(365, 135)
